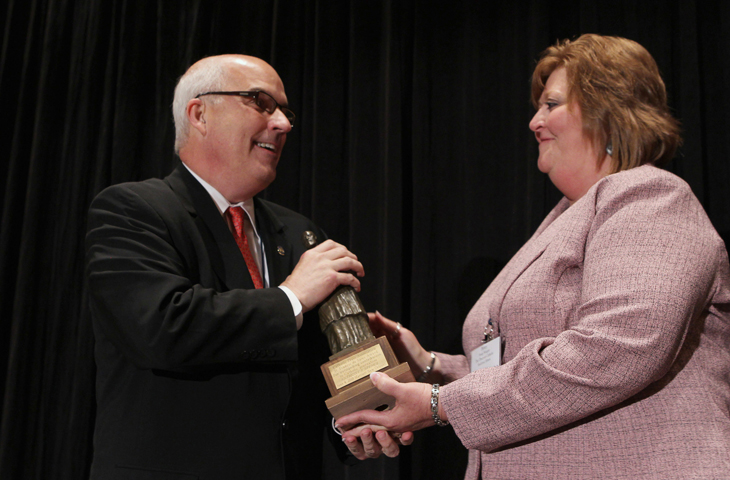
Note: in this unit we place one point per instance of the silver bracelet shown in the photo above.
(428, 369)
(435, 406)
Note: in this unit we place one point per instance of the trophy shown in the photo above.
(356, 353)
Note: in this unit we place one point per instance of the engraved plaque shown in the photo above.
(358, 366)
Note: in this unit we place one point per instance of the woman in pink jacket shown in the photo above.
(602, 350)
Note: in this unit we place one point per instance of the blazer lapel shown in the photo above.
(526, 256)
(226, 258)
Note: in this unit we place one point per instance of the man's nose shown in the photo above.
(278, 121)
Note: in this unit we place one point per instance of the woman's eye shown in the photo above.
(551, 105)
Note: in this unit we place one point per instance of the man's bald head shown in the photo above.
(232, 141)
(206, 75)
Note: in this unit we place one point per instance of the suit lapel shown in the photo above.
(225, 256)
(278, 248)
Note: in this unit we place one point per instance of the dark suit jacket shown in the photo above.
(199, 375)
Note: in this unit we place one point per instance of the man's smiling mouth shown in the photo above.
(267, 146)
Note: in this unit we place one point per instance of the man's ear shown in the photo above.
(196, 115)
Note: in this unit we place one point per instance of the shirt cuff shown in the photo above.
(296, 305)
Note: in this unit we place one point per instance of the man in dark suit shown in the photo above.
(208, 366)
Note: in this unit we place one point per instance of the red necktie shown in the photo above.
(236, 214)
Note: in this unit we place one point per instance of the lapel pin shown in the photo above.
(309, 239)
(281, 251)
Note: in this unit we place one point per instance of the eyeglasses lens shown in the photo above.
(266, 102)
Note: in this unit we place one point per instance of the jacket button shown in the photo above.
(285, 424)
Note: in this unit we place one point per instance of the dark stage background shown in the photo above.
(412, 148)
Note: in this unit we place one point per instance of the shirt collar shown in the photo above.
(222, 203)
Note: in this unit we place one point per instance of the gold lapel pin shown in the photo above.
(309, 239)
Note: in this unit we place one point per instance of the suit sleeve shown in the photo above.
(147, 299)
(650, 265)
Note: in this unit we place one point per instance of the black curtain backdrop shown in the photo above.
(412, 148)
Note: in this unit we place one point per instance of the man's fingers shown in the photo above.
(369, 444)
(348, 265)
(347, 279)
(355, 447)
(370, 441)
(321, 270)
(387, 444)
(406, 438)
(330, 250)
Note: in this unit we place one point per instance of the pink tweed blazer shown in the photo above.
(615, 318)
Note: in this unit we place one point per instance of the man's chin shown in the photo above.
(268, 178)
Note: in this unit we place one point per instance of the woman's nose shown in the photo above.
(537, 120)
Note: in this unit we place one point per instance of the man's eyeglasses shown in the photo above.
(262, 99)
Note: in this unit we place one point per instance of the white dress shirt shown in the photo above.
(254, 240)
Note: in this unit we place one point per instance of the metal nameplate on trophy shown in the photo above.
(356, 353)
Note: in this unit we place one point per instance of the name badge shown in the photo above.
(487, 355)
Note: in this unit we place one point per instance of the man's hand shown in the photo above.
(370, 441)
(321, 270)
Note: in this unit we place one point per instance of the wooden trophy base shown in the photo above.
(348, 377)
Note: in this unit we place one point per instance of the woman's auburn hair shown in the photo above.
(621, 95)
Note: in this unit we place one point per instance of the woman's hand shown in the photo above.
(404, 343)
(370, 441)
(412, 409)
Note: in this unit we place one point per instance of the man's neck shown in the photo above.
(220, 200)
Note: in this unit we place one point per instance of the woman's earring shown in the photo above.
(609, 148)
